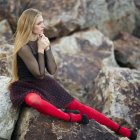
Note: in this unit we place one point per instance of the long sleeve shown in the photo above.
(50, 62)
(36, 67)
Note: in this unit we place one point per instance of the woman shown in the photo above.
(29, 84)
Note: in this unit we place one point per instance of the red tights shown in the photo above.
(35, 101)
(99, 117)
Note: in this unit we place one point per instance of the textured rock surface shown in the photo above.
(5, 48)
(8, 115)
(137, 3)
(80, 57)
(119, 12)
(65, 17)
(116, 93)
(127, 51)
(137, 11)
(5, 31)
(5, 59)
(33, 125)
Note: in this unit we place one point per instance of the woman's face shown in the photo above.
(39, 26)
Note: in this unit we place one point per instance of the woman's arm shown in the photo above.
(50, 61)
(37, 68)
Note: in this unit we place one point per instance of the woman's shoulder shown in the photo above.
(24, 49)
(33, 46)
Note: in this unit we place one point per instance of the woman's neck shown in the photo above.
(34, 37)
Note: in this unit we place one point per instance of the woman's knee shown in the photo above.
(75, 104)
(32, 98)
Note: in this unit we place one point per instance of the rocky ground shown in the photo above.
(96, 46)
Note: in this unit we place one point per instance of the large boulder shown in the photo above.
(137, 3)
(127, 51)
(35, 126)
(115, 92)
(8, 115)
(137, 11)
(6, 48)
(66, 16)
(9, 10)
(5, 59)
(80, 57)
(5, 31)
(121, 17)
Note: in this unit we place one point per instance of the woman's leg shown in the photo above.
(35, 101)
(99, 117)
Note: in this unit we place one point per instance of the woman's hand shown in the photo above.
(43, 43)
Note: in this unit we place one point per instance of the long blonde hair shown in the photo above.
(23, 33)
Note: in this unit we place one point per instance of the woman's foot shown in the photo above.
(133, 135)
(84, 120)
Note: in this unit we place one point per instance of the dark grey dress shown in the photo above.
(48, 88)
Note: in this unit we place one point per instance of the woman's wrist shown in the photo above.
(47, 48)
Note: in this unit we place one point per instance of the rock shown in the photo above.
(119, 12)
(5, 31)
(80, 57)
(137, 119)
(9, 9)
(33, 125)
(5, 59)
(127, 51)
(65, 17)
(116, 93)
(8, 115)
(137, 3)
(3, 9)
(6, 48)
(137, 11)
